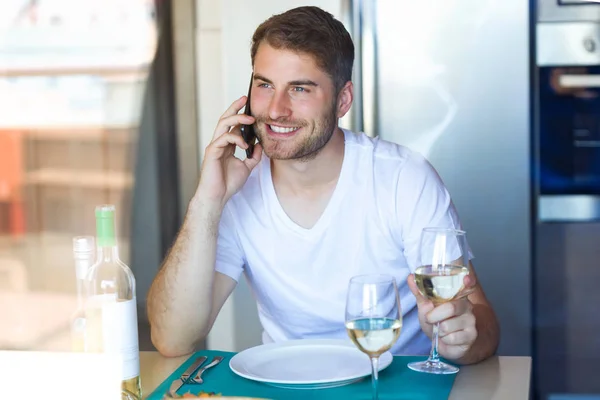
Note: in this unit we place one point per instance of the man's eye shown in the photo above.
(299, 89)
(264, 85)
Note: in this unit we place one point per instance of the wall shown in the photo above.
(211, 105)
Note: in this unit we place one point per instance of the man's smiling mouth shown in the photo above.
(283, 129)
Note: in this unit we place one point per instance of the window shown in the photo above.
(72, 80)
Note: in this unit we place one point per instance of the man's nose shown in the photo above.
(280, 106)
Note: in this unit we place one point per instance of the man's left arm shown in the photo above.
(469, 331)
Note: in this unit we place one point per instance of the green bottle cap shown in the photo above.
(105, 225)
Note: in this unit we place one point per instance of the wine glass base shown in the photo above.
(433, 367)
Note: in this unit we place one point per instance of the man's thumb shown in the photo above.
(412, 285)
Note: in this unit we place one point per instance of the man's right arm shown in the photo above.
(187, 294)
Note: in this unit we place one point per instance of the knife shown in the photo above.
(178, 383)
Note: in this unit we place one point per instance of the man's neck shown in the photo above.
(300, 176)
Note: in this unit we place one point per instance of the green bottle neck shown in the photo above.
(105, 232)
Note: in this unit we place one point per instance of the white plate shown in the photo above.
(305, 364)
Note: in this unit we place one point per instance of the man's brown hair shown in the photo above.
(312, 31)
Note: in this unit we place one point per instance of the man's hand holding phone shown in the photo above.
(222, 174)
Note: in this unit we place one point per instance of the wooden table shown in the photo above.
(497, 378)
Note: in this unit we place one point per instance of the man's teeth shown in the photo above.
(279, 129)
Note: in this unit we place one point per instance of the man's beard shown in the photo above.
(310, 145)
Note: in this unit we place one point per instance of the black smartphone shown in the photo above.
(248, 130)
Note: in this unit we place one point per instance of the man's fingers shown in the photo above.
(460, 323)
(227, 123)
(223, 142)
(256, 156)
(458, 331)
(449, 310)
(231, 118)
(412, 285)
(469, 281)
(460, 338)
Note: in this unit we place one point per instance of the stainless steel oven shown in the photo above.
(568, 121)
(568, 11)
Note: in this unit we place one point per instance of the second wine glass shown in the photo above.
(444, 264)
(373, 317)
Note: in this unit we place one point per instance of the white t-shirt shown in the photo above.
(386, 194)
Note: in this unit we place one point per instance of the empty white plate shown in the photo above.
(305, 364)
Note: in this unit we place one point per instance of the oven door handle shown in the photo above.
(579, 81)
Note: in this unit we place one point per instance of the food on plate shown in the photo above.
(204, 395)
(190, 395)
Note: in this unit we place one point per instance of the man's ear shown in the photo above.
(344, 99)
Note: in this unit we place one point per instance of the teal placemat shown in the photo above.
(396, 382)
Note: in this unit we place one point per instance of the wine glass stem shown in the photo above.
(434, 356)
(375, 375)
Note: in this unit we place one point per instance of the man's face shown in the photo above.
(294, 104)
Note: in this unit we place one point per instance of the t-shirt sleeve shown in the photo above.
(229, 257)
(422, 200)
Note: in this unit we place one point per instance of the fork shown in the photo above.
(198, 378)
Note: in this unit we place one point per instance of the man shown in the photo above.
(313, 206)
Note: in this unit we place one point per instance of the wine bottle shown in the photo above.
(83, 254)
(111, 310)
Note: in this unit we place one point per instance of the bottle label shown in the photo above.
(118, 327)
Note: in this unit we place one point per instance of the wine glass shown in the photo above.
(373, 317)
(444, 264)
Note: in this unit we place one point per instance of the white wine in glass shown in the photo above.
(441, 285)
(373, 317)
(440, 278)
